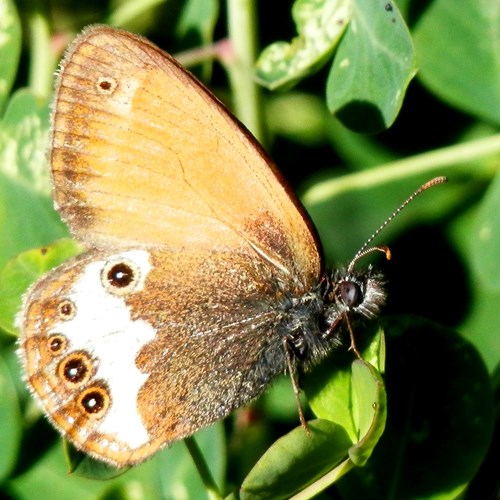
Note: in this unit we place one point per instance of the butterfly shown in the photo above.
(202, 278)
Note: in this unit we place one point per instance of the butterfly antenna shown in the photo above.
(382, 248)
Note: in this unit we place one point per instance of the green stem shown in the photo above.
(203, 470)
(242, 27)
(324, 482)
(128, 11)
(432, 163)
(42, 61)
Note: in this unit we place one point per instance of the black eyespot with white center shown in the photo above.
(57, 344)
(94, 400)
(76, 369)
(66, 310)
(120, 277)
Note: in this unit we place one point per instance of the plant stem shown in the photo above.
(432, 163)
(42, 62)
(128, 11)
(202, 467)
(324, 482)
(242, 27)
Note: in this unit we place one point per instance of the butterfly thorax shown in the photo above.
(315, 322)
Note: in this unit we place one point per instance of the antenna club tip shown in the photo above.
(437, 180)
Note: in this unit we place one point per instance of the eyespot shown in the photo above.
(94, 400)
(106, 85)
(121, 277)
(66, 310)
(76, 369)
(57, 343)
(350, 293)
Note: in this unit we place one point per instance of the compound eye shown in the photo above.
(350, 293)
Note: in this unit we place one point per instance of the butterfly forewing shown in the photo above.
(138, 139)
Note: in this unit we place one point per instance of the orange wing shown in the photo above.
(136, 138)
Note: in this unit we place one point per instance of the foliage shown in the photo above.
(376, 98)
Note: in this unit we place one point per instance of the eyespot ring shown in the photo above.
(56, 344)
(120, 277)
(66, 310)
(76, 369)
(95, 400)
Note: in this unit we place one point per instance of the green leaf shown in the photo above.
(351, 395)
(10, 48)
(370, 410)
(19, 273)
(352, 409)
(458, 48)
(296, 460)
(177, 469)
(440, 416)
(482, 317)
(320, 24)
(82, 465)
(27, 218)
(373, 66)
(329, 393)
(49, 478)
(486, 237)
(169, 472)
(10, 418)
(198, 16)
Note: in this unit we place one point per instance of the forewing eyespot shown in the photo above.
(106, 85)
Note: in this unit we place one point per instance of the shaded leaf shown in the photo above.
(486, 237)
(372, 68)
(10, 418)
(458, 52)
(440, 416)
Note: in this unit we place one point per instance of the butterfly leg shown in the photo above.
(353, 340)
(289, 362)
(335, 325)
